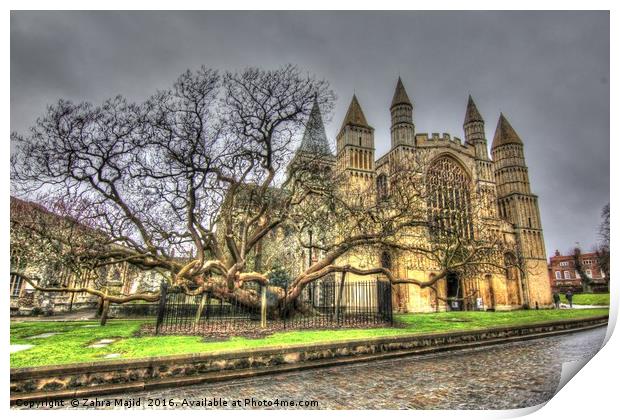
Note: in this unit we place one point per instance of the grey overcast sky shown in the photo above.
(548, 72)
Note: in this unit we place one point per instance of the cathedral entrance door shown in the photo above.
(454, 292)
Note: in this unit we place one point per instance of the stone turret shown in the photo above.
(519, 206)
(401, 109)
(474, 129)
(510, 169)
(356, 142)
(475, 136)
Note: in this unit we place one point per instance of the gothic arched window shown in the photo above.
(382, 187)
(448, 200)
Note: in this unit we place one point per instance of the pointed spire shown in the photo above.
(472, 113)
(315, 140)
(504, 133)
(400, 95)
(355, 115)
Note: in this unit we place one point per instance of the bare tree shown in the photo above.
(602, 249)
(194, 181)
(167, 181)
(586, 281)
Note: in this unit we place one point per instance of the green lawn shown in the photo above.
(70, 345)
(588, 299)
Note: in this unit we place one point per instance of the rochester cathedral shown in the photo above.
(464, 171)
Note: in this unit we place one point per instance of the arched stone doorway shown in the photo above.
(454, 292)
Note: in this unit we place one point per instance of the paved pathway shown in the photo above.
(566, 306)
(499, 377)
(81, 315)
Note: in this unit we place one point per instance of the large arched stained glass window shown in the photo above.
(449, 195)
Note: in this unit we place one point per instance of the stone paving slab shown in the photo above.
(102, 343)
(14, 348)
(112, 356)
(44, 335)
(97, 346)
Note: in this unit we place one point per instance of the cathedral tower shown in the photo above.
(474, 130)
(356, 144)
(474, 135)
(519, 206)
(403, 129)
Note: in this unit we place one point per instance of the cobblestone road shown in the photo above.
(499, 377)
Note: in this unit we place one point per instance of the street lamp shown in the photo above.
(310, 248)
(310, 264)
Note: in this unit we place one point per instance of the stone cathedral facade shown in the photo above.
(501, 181)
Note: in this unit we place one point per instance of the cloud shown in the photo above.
(547, 71)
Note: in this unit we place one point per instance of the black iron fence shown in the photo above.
(323, 304)
(133, 310)
(334, 303)
(183, 313)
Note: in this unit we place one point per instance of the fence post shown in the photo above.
(201, 306)
(263, 306)
(162, 306)
(283, 313)
(389, 302)
(339, 302)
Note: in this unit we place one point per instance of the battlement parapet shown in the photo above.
(382, 160)
(422, 138)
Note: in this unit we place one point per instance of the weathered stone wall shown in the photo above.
(111, 376)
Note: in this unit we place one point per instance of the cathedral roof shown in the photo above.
(400, 95)
(355, 116)
(504, 133)
(472, 113)
(314, 140)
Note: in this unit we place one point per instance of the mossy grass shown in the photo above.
(71, 344)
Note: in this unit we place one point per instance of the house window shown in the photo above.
(558, 275)
(589, 273)
(16, 285)
(587, 262)
(567, 275)
(564, 264)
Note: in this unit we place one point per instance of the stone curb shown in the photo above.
(327, 354)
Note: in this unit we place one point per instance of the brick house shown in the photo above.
(563, 275)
